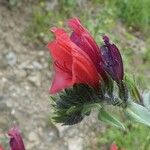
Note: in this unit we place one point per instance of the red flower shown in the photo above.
(112, 60)
(81, 37)
(113, 147)
(1, 148)
(16, 142)
(72, 63)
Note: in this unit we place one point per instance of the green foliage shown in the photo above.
(99, 16)
(87, 107)
(38, 30)
(134, 92)
(98, 19)
(14, 3)
(71, 105)
(67, 6)
(108, 118)
(146, 100)
(135, 13)
(4, 141)
(135, 137)
(138, 113)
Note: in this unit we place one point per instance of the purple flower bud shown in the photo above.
(112, 60)
(16, 142)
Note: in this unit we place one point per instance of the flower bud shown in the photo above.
(112, 60)
(16, 142)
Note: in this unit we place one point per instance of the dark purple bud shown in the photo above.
(106, 39)
(16, 142)
(112, 60)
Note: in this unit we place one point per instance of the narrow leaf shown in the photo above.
(72, 109)
(138, 113)
(87, 107)
(146, 100)
(108, 118)
(53, 101)
(133, 89)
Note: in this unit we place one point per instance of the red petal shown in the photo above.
(62, 58)
(83, 69)
(61, 81)
(113, 147)
(85, 41)
(1, 148)
(72, 65)
(62, 78)
(16, 141)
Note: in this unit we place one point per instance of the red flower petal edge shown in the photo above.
(71, 64)
(81, 37)
(1, 148)
(113, 147)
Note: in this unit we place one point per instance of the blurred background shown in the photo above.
(25, 70)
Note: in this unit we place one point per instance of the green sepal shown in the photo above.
(69, 103)
(72, 109)
(146, 100)
(138, 113)
(87, 107)
(109, 119)
(134, 92)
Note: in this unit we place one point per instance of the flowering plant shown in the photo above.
(89, 76)
(15, 140)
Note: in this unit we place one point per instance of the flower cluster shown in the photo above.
(78, 59)
(15, 140)
(88, 75)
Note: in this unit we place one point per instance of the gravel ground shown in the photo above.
(24, 100)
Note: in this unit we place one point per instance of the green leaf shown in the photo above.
(108, 118)
(87, 107)
(132, 88)
(146, 100)
(70, 102)
(72, 109)
(53, 98)
(53, 101)
(138, 113)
